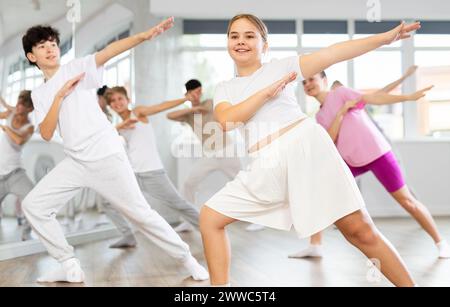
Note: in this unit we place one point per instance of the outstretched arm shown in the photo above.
(180, 115)
(6, 105)
(382, 98)
(4, 115)
(144, 111)
(392, 86)
(317, 62)
(118, 47)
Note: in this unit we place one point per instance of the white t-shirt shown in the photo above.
(10, 152)
(86, 132)
(141, 147)
(277, 113)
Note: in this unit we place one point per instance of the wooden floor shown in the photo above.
(259, 259)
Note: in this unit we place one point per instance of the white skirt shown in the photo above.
(297, 180)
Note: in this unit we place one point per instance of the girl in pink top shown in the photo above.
(364, 148)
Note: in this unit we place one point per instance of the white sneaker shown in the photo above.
(69, 271)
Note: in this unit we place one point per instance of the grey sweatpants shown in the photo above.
(157, 189)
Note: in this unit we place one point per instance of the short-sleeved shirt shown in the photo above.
(279, 112)
(359, 141)
(85, 130)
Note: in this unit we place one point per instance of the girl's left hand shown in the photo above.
(400, 32)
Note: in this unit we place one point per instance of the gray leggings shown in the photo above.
(157, 188)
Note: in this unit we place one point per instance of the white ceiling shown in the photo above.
(18, 15)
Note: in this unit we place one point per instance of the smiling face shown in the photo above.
(21, 109)
(315, 85)
(246, 43)
(24, 103)
(46, 54)
(118, 101)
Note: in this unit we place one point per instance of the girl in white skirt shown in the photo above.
(296, 177)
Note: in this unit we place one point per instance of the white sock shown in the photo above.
(254, 227)
(126, 242)
(444, 249)
(69, 271)
(312, 251)
(195, 269)
(184, 227)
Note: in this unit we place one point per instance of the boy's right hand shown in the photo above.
(70, 86)
(159, 29)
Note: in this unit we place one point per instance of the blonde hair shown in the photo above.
(258, 23)
(115, 90)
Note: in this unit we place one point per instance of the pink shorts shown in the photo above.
(386, 169)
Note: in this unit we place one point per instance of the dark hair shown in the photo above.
(101, 91)
(323, 74)
(115, 90)
(192, 85)
(36, 35)
(25, 99)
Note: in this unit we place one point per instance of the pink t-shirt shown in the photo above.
(359, 141)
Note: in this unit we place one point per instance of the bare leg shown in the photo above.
(216, 245)
(418, 211)
(360, 231)
(316, 239)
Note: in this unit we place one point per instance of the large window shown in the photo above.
(317, 35)
(118, 70)
(23, 76)
(373, 71)
(205, 56)
(433, 57)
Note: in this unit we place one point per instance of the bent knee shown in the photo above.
(211, 220)
(365, 234)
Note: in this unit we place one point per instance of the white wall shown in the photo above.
(307, 9)
(426, 165)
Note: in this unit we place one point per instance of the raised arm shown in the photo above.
(382, 98)
(19, 139)
(4, 115)
(48, 125)
(231, 116)
(180, 115)
(144, 111)
(118, 47)
(6, 105)
(392, 86)
(319, 61)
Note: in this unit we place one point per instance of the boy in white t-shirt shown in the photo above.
(95, 156)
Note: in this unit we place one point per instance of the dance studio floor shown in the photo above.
(259, 259)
